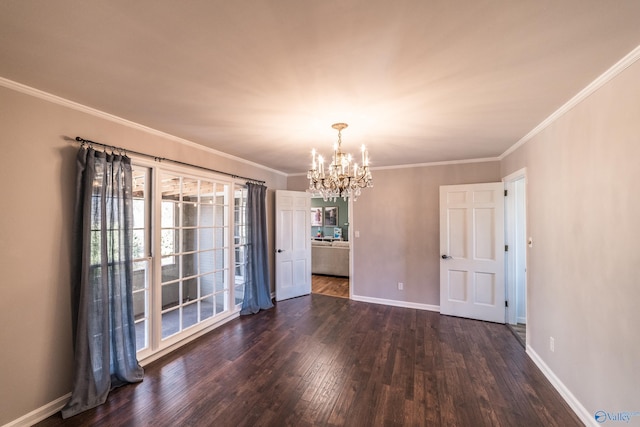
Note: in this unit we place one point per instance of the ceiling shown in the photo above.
(418, 81)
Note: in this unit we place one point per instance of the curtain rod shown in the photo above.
(161, 159)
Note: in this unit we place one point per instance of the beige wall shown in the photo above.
(37, 169)
(398, 221)
(584, 216)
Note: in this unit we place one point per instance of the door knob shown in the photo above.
(446, 257)
(280, 251)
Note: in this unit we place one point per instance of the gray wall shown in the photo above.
(583, 213)
(37, 170)
(399, 229)
(398, 221)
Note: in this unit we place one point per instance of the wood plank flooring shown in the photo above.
(324, 361)
(330, 285)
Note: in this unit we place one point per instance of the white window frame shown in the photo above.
(157, 347)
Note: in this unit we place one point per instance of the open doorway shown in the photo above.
(330, 247)
(516, 255)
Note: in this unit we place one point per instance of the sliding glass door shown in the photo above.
(189, 249)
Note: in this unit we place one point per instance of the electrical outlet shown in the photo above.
(552, 344)
(400, 286)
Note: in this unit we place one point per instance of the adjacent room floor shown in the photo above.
(330, 285)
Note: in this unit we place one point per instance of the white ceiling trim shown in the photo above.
(603, 79)
(445, 163)
(422, 165)
(55, 99)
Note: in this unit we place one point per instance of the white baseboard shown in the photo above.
(396, 303)
(582, 413)
(40, 413)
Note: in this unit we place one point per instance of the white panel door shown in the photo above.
(472, 251)
(293, 244)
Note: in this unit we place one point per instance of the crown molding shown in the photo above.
(603, 79)
(444, 163)
(421, 165)
(28, 90)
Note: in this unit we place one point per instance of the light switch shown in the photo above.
(357, 233)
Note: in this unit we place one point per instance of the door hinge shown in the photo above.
(505, 193)
(506, 248)
(506, 304)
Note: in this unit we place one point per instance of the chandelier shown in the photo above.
(343, 178)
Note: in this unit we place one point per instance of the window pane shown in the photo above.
(170, 187)
(141, 335)
(140, 240)
(220, 237)
(206, 215)
(189, 214)
(221, 283)
(189, 190)
(221, 302)
(139, 180)
(220, 259)
(139, 304)
(169, 212)
(138, 213)
(206, 238)
(240, 235)
(205, 260)
(170, 295)
(139, 275)
(189, 315)
(220, 216)
(207, 188)
(189, 240)
(170, 270)
(138, 244)
(239, 294)
(189, 289)
(206, 285)
(240, 274)
(206, 308)
(168, 242)
(189, 265)
(170, 323)
(240, 254)
(240, 243)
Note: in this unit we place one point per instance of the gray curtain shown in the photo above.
(104, 330)
(257, 295)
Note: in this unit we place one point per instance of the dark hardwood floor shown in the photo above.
(330, 285)
(324, 361)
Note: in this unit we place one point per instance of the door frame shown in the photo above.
(351, 243)
(512, 261)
